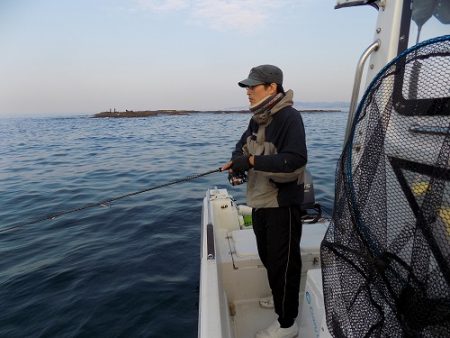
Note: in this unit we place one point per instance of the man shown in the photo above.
(273, 152)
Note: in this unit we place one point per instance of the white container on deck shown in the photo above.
(312, 316)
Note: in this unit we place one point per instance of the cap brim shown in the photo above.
(249, 83)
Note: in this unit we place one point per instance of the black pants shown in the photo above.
(278, 232)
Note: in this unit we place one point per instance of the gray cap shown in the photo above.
(263, 74)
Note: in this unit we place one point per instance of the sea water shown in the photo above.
(129, 268)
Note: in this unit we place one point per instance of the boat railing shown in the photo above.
(357, 84)
(213, 305)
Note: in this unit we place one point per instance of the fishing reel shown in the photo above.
(237, 178)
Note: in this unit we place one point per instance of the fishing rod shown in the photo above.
(107, 202)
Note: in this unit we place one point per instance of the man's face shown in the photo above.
(257, 93)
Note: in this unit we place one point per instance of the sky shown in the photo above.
(65, 57)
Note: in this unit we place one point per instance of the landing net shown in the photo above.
(386, 255)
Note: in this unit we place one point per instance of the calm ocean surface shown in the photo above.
(130, 269)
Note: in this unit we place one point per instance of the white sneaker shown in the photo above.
(266, 302)
(275, 331)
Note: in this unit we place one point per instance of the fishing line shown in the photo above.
(107, 202)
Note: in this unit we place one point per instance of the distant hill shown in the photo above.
(147, 113)
(317, 106)
(337, 105)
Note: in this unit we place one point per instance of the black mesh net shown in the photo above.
(386, 255)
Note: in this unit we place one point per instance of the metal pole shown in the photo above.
(357, 84)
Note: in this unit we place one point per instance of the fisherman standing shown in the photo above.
(273, 153)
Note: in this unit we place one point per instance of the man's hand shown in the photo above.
(241, 163)
(226, 166)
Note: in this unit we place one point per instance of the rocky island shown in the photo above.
(146, 113)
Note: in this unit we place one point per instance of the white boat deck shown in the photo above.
(249, 312)
(246, 315)
(242, 279)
